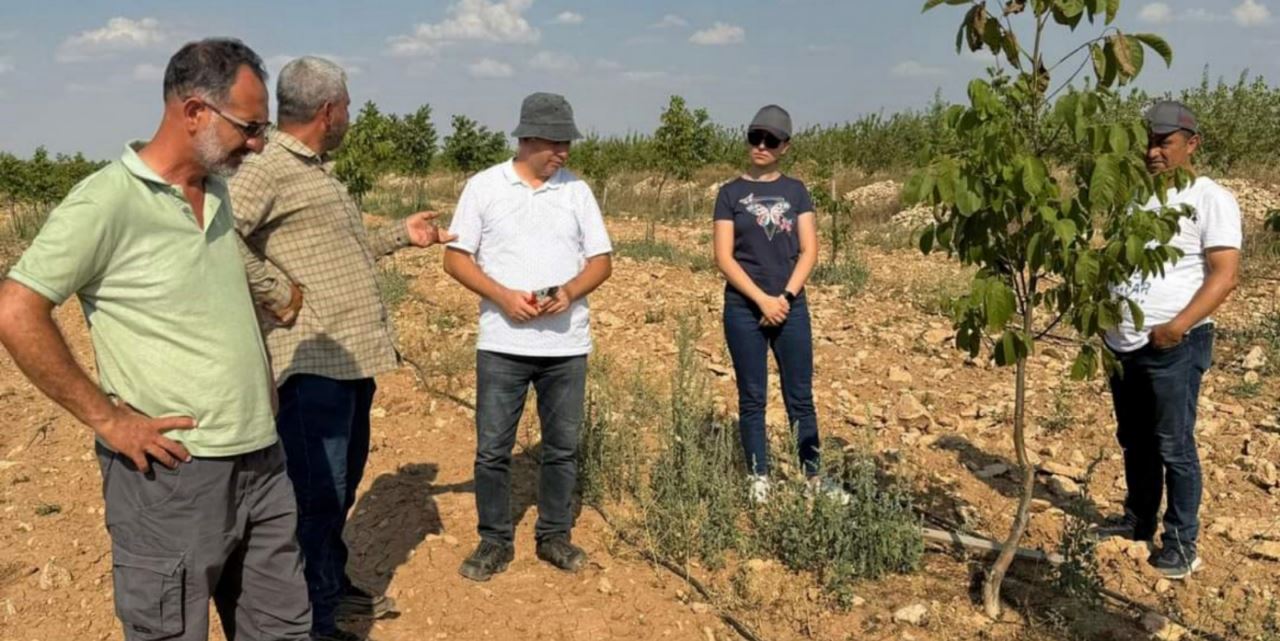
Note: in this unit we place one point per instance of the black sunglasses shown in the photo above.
(246, 129)
(757, 136)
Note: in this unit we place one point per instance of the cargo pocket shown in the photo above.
(149, 594)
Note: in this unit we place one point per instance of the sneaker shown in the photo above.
(560, 552)
(488, 559)
(829, 488)
(358, 603)
(1175, 562)
(758, 488)
(341, 635)
(1123, 526)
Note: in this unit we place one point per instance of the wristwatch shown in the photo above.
(791, 298)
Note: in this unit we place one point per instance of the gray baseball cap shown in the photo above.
(1168, 116)
(547, 116)
(773, 119)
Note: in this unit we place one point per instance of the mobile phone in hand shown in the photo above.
(545, 293)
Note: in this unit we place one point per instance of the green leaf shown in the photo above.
(1156, 44)
(1033, 176)
(1085, 364)
(1135, 311)
(1087, 270)
(1006, 351)
(1118, 137)
(1113, 8)
(926, 239)
(998, 303)
(1104, 184)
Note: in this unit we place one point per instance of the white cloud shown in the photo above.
(671, 21)
(641, 76)
(914, 69)
(119, 34)
(568, 17)
(605, 64)
(490, 68)
(501, 21)
(1156, 13)
(148, 72)
(554, 62)
(6, 64)
(719, 34)
(1251, 13)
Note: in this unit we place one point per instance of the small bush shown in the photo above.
(850, 274)
(393, 285)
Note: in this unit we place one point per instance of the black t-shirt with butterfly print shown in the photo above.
(766, 241)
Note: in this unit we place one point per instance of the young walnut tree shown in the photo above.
(1047, 249)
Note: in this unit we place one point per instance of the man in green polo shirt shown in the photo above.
(198, 505)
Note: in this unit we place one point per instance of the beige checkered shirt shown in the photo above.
(300, 225)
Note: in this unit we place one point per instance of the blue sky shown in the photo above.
(85, 76)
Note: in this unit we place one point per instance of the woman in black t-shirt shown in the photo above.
(766, 245)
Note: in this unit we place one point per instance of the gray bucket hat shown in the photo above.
(773, 119)
(547, 116)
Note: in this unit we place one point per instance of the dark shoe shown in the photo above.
(488, 559)
(1175, 562)
(558, 551)
(341, 635)
(1123, 526)
(358, 603)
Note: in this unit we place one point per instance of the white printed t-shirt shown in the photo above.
(1214, 224)
(527, 239)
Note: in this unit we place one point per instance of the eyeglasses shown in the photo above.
(246, 129)
(757, 136)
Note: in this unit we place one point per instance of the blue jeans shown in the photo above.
(502, 383)
(792, 346)
(1155, 402)
(324, 427)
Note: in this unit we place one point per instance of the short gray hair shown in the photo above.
(305, 85)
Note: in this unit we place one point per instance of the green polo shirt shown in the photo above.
(173, 327)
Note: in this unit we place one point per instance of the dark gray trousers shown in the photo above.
(214, 528)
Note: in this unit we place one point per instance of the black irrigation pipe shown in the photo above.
(738, 626)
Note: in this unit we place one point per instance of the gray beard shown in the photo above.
(211, 155)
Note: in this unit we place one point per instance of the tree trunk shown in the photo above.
(991, 587)
(835, 227)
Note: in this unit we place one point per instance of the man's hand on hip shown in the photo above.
(1166, 335)
(136, 436)
(424, 233)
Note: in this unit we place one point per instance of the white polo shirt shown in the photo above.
(527, 239)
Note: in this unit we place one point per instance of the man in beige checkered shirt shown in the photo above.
(311, 267)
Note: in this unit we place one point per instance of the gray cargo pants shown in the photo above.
(220, 528)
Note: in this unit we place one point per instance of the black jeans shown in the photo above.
(502, 383)
(324, 427)
(1155, 402)
(792, 346)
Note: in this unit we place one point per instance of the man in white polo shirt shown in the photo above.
(532, 243)
(1156, 393)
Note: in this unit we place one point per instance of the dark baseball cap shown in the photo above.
(773, 119)
(547, 116)
(1168, 116)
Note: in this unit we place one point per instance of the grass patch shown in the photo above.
(393, 285)
(850, 274)
(650, 248)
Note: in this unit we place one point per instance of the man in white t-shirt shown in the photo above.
(532, 243)
(1163, 363)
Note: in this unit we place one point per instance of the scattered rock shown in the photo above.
(1058, 469)
(1163, 585)
(449, 539)
(938, 336)
(1064, 487)
(604, 586)
(1265, 475)
(1256, 359)
(1161, 628)
(1252, 378)
(909, 412)
(699, 607)
(54, 576)
(899, 375)
(1269, 551)
(915, 614)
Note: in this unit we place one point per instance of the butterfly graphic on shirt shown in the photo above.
(770, 213)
